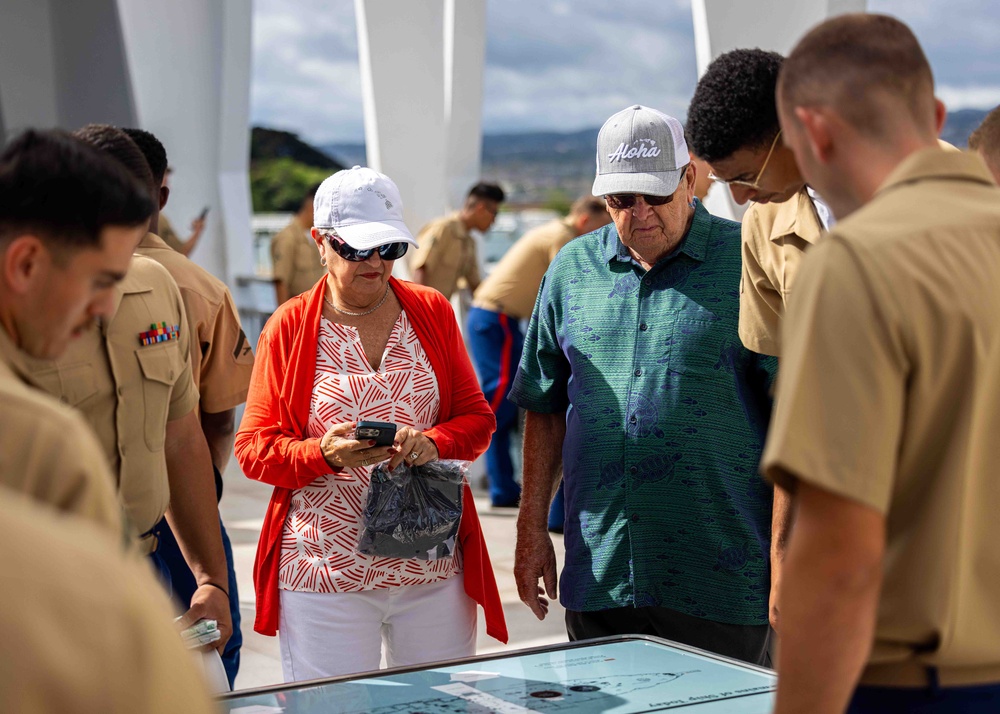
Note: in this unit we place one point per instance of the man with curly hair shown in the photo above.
(733, 126)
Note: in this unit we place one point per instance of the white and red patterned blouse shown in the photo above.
(323, 524)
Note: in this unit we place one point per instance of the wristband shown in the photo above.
(215, 586)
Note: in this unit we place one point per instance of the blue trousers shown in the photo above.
(169, 562)
(982, 699)
(557, 513)
(496, 342)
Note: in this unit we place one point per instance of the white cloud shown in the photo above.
(969, 97)
(560, 65)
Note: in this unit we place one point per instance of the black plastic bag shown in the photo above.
(414, 511)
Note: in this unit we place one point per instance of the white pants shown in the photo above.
(332, 634)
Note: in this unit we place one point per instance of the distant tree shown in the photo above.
(267, 144)
(558, 200)
(277, 185)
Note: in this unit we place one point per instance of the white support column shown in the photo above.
(465, 57)
(178, 56)
(776, 25)
(723, 25)
(234, 139)
(401, 54)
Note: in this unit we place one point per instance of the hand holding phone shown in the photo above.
(384, 433)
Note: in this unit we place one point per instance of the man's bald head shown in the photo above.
(869, 67)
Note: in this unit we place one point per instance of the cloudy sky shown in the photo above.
(564, 65)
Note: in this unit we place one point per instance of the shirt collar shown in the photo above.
(14, 359)
(935, 163)
(797, 216)
(694, 244)
(151, 240)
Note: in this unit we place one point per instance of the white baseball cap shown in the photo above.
(363, 207)
(640, 150)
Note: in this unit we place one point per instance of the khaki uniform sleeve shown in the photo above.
(842, 384)
(472, 277)
(282, 258)
(227, 361)
(50, 454)
(91, 627)
(93, 495)
(433, 242)
(761, 302)
(184, 394)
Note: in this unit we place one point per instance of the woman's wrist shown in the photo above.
(330, 457)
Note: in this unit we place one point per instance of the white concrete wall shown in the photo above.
(422, 88)
(465, 59)
(27, 66)
(776, 25)
(62, 65)
(190, 63)
(401, 53)
(180, 69)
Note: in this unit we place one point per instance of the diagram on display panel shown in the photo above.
(627, 677)
(494, 693)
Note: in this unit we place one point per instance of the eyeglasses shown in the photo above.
(755, 184)
(620, 201)
(389, 251)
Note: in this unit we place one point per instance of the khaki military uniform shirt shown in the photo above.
(47, 451)
(447, 253)
(221, 358)
(512, 286)
(84, 628)
(294, 258)
(129, 391)
(775, 236)
(169, 235)
(888, 396)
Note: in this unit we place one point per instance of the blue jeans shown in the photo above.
(980, 699)
(496, 342)
(180, 583)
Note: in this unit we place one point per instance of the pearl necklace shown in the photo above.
(358, 314)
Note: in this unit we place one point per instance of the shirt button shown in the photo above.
(635, 517)
(633, 469)
(647, 281)
(633, 419)
(643, 327)
(638, 373)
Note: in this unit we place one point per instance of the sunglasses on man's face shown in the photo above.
(619, 201)
(389, 251)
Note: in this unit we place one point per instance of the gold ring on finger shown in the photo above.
(413, 455)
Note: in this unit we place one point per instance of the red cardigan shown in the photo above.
(271, 445)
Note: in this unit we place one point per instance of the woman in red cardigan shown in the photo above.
(361, 346)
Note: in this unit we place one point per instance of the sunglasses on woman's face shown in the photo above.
(389, 251)
(620, 201)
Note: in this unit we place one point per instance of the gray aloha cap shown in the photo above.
(640, 150)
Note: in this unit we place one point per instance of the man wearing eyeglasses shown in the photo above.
(638, 389)
(733, 125)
